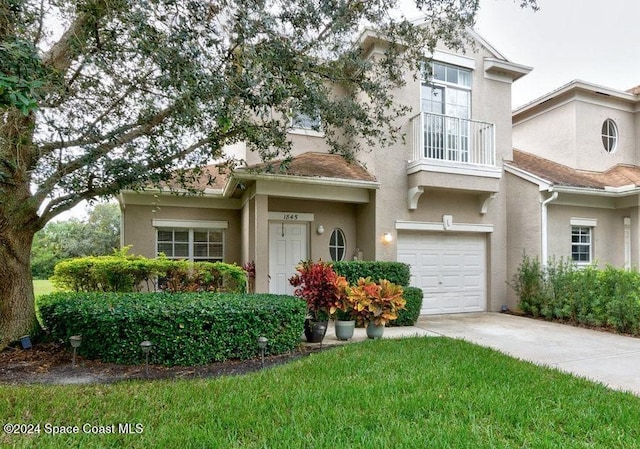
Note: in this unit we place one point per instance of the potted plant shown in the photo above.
(343, 311)
(319, 285)
(375, 304)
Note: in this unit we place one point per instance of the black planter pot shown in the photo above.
(315, 330)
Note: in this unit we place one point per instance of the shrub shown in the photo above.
(321, 288)
(395, 272)
(376, 303)
(409, 315)
(609, 297)
(122, 272)
(186, 329)
(182, 276)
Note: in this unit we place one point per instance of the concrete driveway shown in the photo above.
(611, 359)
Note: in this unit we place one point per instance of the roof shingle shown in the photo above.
(562, 175)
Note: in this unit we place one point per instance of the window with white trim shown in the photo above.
(337, 245)
(193, 244)
(609, 135)
(446, 105)
(305, 121)
(582, 244)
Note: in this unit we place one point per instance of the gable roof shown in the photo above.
(615, 178)
(314, 165)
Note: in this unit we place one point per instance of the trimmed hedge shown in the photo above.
(122, 272)
(409, 315)
(396, 272)
(186, 329)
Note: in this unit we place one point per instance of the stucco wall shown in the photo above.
(568, 130)
(552, 136)
(591, 154)
(608, 235)
(328, 214)
(523, 226)
(138, 227)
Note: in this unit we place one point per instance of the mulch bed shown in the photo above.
(51, 363)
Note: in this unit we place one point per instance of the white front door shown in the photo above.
(287, 247)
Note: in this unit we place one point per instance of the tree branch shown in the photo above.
(136, 131)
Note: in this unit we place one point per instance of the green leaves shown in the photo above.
(186, 329)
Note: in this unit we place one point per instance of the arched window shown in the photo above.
(337, 245)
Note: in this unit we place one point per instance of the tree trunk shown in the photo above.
(17, 308)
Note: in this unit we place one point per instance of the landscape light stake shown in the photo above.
(75, 340)
(262, 344)
(146, 348)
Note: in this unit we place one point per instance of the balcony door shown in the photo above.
(446, 108)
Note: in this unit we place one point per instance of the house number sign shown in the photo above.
(290, 216)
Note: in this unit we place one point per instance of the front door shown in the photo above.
(288, 245)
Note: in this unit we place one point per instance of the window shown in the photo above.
(337, 245)
(305, 121)
(581, 244)
(609, 135)
(197, 245)
(446, 105)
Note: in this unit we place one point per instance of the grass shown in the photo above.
(418, 392)
(42, 287)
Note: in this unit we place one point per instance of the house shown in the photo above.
(573, 185)
(436, 201)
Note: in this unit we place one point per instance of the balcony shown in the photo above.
(450, 139)
(453, 154)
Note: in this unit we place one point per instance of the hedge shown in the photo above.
(122, 272)
(589, 296)
(186, 329)
(409, 315)
(396, 272)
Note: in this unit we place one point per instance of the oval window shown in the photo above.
(337, 245)
(609, 135)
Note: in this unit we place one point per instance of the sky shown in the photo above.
(589, 40)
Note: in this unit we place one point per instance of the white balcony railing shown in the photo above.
(452, 139)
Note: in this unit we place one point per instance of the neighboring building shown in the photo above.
(437, 202)
(573, 185)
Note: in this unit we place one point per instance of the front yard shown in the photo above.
(418, 392)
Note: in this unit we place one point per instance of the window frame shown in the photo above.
(580, 231)
(191, 243)
(336, 246)
(610, 135)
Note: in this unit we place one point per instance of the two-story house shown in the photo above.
(436, 201)
(573, 185)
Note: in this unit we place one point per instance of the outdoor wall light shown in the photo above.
(25, 342)
(146, 349)
(262, 344)
(76, 341)
(320, 229)
(387, 237)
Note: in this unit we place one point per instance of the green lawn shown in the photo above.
(418, 392)
(42, 287)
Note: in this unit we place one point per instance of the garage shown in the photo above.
(450, 268)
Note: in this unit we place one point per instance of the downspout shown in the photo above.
(545, 232)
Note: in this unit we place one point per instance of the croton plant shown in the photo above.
(319, 285)
(327, 293)
(376, 303)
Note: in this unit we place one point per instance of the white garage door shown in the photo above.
(449, 268)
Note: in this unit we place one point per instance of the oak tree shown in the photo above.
(101, 95)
